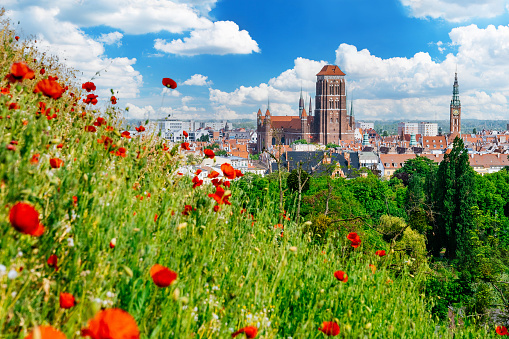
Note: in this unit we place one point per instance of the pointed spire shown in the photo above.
(301, 103)
(455, 92)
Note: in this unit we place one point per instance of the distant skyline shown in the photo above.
(228, 56)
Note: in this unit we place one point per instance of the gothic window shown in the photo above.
(331, 120)
(273, 141)
(283, 140)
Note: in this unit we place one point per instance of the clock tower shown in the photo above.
(455, 109)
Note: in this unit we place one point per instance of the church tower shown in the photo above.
(455, 109)
(332, 123)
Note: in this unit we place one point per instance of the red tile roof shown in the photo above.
(331, 70)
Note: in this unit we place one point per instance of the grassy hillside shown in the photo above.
(116, 207)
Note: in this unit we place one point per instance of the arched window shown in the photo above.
(283, 141)
(273, 141)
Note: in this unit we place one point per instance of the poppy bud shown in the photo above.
(113, 243)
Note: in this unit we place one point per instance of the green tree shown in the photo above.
(298, 181)
(300, 141)
(454, 199)
(204, 138)
(332, 145)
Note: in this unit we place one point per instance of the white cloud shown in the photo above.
(198, 80)
(186, 99)
(135, 112)
(303, 74)
(224, 37)
(455, 10)
(79, 51)
(223, 112)
(170, 92)
(130, 16)
(111, 38)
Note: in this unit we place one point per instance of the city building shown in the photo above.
(428, 129)
(330, 122)
(408, 128)
(365, 125)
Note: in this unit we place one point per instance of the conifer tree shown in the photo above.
(454, 198)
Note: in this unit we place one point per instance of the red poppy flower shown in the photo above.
(45, 332)
(329, 328)
(197, 182)
(249, 331)
(170, 83)
(49, 88)
(140, 129)
(16, 37)
(109, 129)
(501, 330)
(113, 100)
(90, 129)
(217, 182)
(187, 209)
(354, 238)
(279, 226)
(53, 261)
(107, 141)
(162, 276)
(209, 153)
(185, 134)
(341, 276)
(60, 145)
(380, 253)
(198, 171)
(112, 323)
(19, 72)
(185, 146)
(121, 152)
(42, 71)
(5, 90)
(238, 173)
(99, 122)
(67, 300)
(126, 134)
(91, 99)
(25, 219)
(228, 171)
(88, 86)
(13, 105)
(155, 218)
(35, 159)
(213, 175)
(75, 200)
(56, 162)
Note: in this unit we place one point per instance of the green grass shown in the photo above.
(231, 273)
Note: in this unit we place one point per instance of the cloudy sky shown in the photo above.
(229, 56)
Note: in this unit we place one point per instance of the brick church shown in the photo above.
(330, 122)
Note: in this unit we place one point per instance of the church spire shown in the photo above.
(455, 92)
(301, 103)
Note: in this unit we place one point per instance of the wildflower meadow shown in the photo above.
(102, 237)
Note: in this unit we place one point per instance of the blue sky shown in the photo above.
(229, 56)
